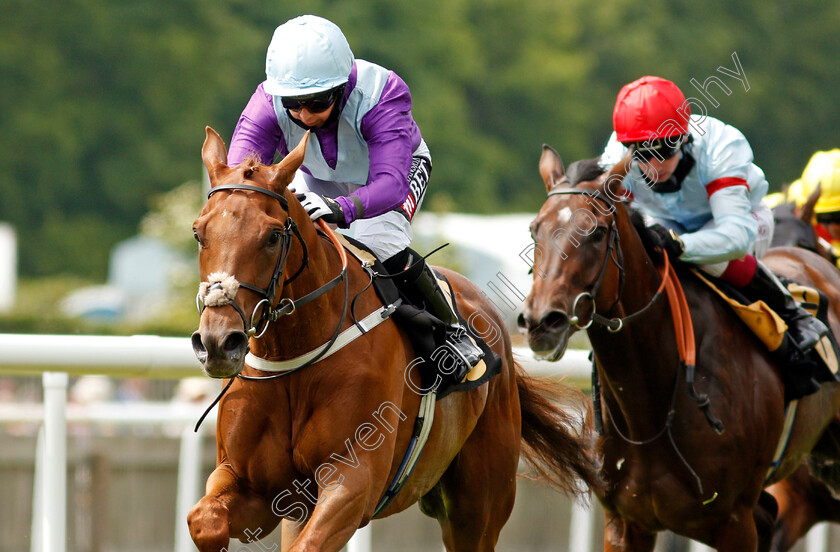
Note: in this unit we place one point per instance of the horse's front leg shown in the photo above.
(341, 509)
(227, 511)
(291, 530)
(623, 536)
(739, 533)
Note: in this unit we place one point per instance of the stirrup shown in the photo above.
(807, 333)
(469, 352)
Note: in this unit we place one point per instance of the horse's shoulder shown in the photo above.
(709, 311)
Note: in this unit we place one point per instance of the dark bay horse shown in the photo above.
(322, 443)
(803, 499)
(663, 464)
(794, 226)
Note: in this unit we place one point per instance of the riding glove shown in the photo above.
(321, 207)
(667, 240)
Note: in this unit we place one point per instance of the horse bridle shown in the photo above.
(614, 253)
(286, 306)
(616, 324)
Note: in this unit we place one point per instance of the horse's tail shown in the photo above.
(555, 450)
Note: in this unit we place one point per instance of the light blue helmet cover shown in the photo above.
(307, 55)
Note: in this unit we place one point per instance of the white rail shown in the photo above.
(137, 356)
(50, 472)
(153, 357)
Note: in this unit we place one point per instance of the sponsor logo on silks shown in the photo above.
(409, 207)
(418, 179)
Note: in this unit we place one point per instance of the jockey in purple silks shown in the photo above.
(366, 166)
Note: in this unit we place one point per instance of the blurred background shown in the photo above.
(104, 107)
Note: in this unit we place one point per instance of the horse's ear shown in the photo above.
(283, 172)
(213, 153)
(806, 212)
(551, 167)
(612, 179)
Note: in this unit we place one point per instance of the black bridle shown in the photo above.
(287, 305)
(614, 253)
(267, 314)
(615, 325)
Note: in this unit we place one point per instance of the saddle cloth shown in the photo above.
(426, 332)
(802, 376)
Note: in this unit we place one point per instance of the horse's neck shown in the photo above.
(315, 323)
(639, 363)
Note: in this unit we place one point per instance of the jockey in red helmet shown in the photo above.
(694, 180)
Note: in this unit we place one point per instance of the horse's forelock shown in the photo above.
(256, 172)
(252, 160)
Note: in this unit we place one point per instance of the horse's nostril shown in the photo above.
(198, 347)
(556, 320)
(236, 345)
(522, 322)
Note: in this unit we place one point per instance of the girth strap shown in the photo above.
(422, 429)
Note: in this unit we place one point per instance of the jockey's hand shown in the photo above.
(321, 207)
(667, 240)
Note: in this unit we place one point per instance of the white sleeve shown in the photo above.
(614, 152)
(725, 154)
(733, 233)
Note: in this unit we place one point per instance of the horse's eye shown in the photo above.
(598, 234)
(274, 238)
(195, 235)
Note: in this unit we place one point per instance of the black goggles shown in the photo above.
(314, 103)
(661, 148)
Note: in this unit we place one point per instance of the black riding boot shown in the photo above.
(805, 329)
(425, 287)
(418, 282)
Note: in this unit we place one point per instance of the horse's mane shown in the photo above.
(584, 171)
(638, 222)
(590, 169)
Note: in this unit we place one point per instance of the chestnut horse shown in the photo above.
(663, 464)
(322, 443)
